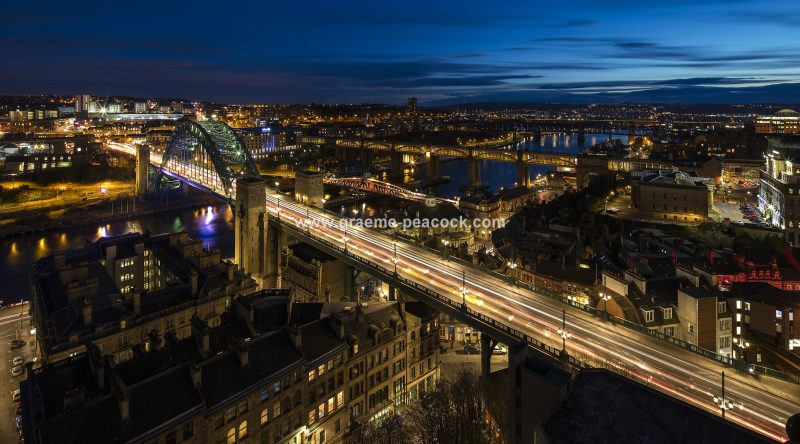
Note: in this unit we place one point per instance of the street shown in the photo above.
(456, 358)
(13, 321)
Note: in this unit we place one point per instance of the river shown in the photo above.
(213, 224)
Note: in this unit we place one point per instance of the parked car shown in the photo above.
(17, 344)
(18, 360)
(16, 371)
(499, 350)
(19, 422)
(472, 349)
(15, 395)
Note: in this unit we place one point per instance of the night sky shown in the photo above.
(376, 51)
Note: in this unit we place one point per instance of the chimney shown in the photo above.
(230, 268)
(193, 282)
(240, 347)
(197, 374)
(294, 333)
(137, 302)
(87, 311)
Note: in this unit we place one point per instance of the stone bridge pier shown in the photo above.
(473, 172)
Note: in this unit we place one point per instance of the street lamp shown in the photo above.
(605, 297)
(564, 333)
(463, 288)
(725, 404)
(394, 245)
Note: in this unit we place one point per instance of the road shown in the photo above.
(762, 405)
(14, 321)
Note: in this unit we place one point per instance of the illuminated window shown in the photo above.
(311, 375)
(339, 399)
(243, 429)
(232, 435)
(321, 410)
(312, 416)
(330, 404)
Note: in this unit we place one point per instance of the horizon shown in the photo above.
(576, 52)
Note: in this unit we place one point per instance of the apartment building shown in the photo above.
(706, 319)
(272, 371)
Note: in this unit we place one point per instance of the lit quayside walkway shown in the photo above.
(762, 404)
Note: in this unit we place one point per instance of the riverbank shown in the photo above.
(105, 212)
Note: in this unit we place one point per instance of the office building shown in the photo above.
(315, 275)
(82, 103)
(779, 192)
(785, 121)
(671, 195)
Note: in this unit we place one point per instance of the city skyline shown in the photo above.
(573, 52)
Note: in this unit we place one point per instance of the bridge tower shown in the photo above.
(142, 165)
(432, 165)
(257, 246)
(395, 163)
(308, 188)
(473, 171)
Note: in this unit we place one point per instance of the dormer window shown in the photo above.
(649, 315)
(668, 313)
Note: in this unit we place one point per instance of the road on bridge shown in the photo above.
(762, 405)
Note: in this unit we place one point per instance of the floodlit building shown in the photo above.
(785, 121)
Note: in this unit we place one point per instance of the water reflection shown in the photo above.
(213, 224)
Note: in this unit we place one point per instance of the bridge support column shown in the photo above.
(142, 165)
(432, 165)
(487, 346)
(473, 172)
(392, 296)
(523, 174)
(367, 156)
(395, 164)
(256, 246)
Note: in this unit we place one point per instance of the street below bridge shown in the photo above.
(762, 404)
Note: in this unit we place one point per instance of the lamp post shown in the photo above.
(605, 297)
(463, 288)
(725, 404)
(564, 334)
(394, 247)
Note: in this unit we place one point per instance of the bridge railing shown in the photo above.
(510, 280)
(572, 361)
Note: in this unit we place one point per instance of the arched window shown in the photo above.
(232, 435)
(243, 429)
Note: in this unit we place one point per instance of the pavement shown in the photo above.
(13, 321)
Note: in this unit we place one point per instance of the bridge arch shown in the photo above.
(209, 153)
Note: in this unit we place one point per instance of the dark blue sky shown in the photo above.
(441, 52)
